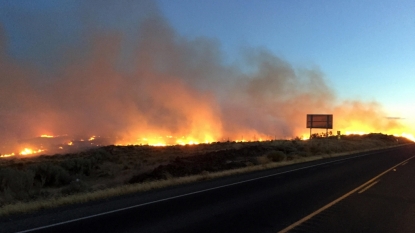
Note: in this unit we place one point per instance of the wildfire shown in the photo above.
(170, 140)
(7, 155)
(189, 140)
(355, 133)
(28, 151)
(159, 144)
(407, 135)
(305, 137)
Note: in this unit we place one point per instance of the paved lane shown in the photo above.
(386, 204)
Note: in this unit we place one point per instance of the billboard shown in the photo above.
(321, 121)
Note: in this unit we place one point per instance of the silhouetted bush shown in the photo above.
(48, 175)
(313, 148)
(15, 184)
(304, 153)
(100, 155)
(77, 166)
(75, 186)
(276, 156)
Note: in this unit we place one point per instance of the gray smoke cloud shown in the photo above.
(126, 74)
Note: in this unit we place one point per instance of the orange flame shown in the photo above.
(7, 155)
(406, 135)
(28, 151)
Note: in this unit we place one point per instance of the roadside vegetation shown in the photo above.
(30, 184)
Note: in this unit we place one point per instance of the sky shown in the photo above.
(366, 49)
(204, 70)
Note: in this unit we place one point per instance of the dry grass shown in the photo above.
(263, 163)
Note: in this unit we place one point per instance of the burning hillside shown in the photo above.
(153, 86)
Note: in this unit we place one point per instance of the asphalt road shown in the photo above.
(385, 204)
(344, 194)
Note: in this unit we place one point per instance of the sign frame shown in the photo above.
(319, 121)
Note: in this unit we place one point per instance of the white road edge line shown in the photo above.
(187, 194)
(301, 221)
(368, 187)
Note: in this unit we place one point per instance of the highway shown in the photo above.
(365, 192)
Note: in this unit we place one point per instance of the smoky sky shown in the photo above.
(117, 68)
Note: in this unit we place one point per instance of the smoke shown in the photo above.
(131, 77)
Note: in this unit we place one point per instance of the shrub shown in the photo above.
(78, 166)
(48, 174)
(304, 153)
(314, 149)
(292, 157)
(15, 184)
(288, 148)
(261, 160)
(276, 156)
(75, 186)
(100, 155)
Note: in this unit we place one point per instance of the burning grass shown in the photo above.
(30, 184)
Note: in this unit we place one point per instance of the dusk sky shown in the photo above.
(210, 69)
(366, 49)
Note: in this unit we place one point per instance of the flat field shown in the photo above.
(46, 181)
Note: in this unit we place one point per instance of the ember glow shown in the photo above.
(168, 141)
(27, 151)
(407, 135)
(356, 133)
(7, 155)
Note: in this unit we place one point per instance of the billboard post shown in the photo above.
(320, 121)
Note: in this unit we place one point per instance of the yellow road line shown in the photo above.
(368, 187)
(299, 222)
(404, 163)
